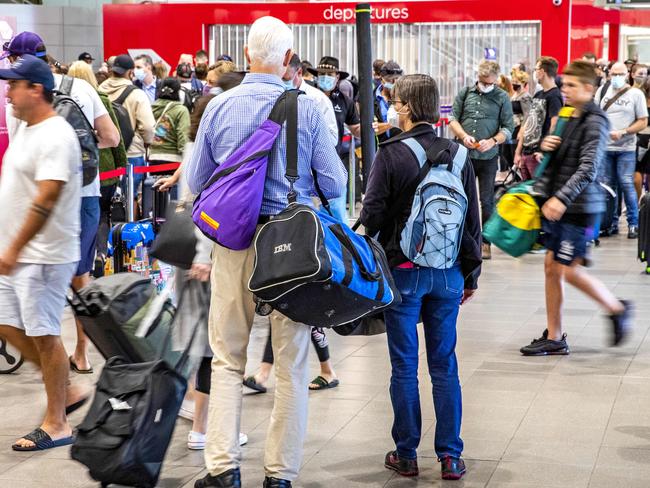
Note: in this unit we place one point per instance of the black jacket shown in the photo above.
(578, 164)
(394, 172)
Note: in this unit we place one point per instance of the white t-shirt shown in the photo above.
(45, 151)
(325, 105)
(91, 105)
(630, 107)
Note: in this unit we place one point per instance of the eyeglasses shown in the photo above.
(396, 101)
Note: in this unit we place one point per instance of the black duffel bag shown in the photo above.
(129, 426)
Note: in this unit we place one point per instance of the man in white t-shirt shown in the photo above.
(627, 111)
(40, 195)
(107, 136)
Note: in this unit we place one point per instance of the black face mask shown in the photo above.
(516, 87)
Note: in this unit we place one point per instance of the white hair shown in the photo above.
(269, 39)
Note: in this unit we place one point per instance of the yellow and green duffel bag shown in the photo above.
(515, 225)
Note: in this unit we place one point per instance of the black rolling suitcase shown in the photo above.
(644, 231)
(154, 203)
(126, 433)
(112, 308)
(127, 430)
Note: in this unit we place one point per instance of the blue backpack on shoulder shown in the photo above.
(433, 232)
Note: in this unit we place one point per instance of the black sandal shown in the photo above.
(322, 384)
(250, 382)
(42, 441)
(75, 368)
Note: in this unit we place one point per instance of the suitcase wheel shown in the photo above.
(10, 358)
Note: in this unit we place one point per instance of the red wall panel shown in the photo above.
(172, 29)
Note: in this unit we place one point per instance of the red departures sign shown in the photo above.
(377, 13)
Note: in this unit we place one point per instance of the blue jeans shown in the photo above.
(619, 171)
(137, 179)
(435, 295)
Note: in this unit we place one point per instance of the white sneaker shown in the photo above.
(196, 441)
(187, 410)
(243, 439)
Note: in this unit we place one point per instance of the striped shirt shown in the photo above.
(232, 117)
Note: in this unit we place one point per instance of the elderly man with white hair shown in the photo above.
(229, 120)
(627, 112)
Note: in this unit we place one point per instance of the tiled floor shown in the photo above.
(576, 421)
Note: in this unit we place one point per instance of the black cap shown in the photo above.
(30, 68)
(85, 57)
(390, 68)
(184, 70)
(122, 64)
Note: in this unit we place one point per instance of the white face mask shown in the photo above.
(485, 88)
(618, 81)
(392, 117)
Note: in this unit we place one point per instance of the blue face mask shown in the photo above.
(389, 86)
(288, 84)
(326, 82)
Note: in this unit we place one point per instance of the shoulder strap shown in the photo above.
(431, 156)
(603, 91)
(612, 100)
(291, 110)
(125, 94)
(163, 113)
(66, 85)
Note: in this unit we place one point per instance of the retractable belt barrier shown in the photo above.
(158, 168)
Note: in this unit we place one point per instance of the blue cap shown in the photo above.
(30, 68)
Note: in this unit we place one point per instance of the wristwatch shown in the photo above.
(496, 142)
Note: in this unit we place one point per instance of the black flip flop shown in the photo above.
(322, 384)
(250, 382)
(42, 441)
(75, 368)
(75, 406)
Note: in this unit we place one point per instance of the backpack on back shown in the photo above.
(434, 229)
(67, 108)
(123, 118)
(190, 97)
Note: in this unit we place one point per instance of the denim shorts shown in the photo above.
(567, 241)
(33, 297)
(90, 214)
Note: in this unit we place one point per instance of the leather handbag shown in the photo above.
(175, 244)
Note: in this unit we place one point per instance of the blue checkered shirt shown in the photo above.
(232, 117)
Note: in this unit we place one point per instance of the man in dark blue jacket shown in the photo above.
(573, 206)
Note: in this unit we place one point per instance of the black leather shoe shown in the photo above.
(276, 483)
(229, 479)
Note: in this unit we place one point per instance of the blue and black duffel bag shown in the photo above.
(316, 270)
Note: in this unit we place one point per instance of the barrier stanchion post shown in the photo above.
(130, 196)
(351, 179)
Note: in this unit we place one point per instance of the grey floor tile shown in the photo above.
(550, 453)
(522, 473)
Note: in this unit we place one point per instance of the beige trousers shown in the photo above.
(231, 318)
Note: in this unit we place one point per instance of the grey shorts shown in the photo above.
(33, 297)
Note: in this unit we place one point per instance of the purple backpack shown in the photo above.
(228, 208)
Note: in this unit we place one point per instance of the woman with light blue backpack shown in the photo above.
(422, 204)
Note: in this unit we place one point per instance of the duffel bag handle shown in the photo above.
(347, 243)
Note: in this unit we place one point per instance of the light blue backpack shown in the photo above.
(434, 229)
